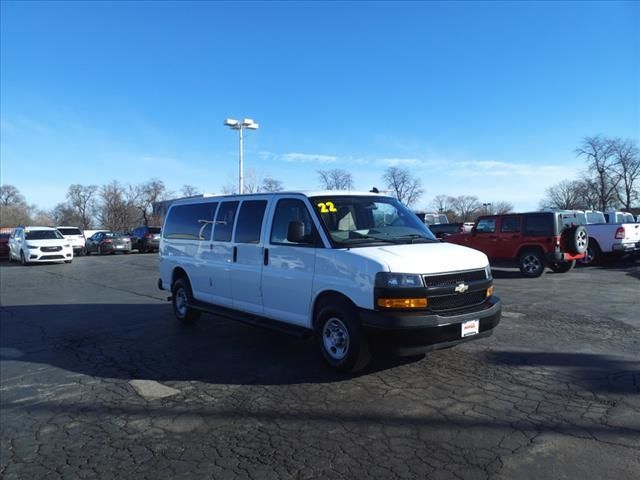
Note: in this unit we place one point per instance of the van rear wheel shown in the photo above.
(340, 338)
(181, 299)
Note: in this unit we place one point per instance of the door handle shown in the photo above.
(266, 256)
(235, 254)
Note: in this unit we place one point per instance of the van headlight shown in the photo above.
(398, 280)
(31, 247)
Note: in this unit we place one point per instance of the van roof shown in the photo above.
(305, 193)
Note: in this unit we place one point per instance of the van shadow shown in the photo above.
(144, 341)
(593, 372)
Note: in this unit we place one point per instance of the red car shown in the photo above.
(4, 243)
(530, 240)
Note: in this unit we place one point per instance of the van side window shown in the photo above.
(189, 222)
(538, 225)
(224, 221)
(288, 210)
(249, 223)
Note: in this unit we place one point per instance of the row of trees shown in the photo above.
(114, 206)
(611, 181)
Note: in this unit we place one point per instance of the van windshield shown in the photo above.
(365, 220)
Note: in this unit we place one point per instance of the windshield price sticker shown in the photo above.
(327, 207)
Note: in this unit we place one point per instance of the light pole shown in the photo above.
(486, 206)
(240, 126)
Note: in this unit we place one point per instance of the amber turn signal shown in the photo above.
(489, 291)
(402, 302)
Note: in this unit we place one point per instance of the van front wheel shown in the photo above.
(340, 338)
(181, 299)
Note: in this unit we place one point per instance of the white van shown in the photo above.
(353, 268)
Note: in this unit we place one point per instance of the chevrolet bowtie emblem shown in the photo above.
(461, 288)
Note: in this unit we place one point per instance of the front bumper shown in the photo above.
(36, 255)
(412, 333)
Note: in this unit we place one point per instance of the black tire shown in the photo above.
(577, 239)
(87, 252)
(99, 250)
(340, 338)
(593, 255)
(531, 263)
(181, 298)
(562, 267)
(23, 260)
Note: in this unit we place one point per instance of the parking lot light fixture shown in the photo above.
(234, 124)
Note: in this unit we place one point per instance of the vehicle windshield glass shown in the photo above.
(5, 235)
(154, 229)
(70, 231)
(43, 235)
(365, 220)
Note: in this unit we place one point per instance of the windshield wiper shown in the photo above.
(417, 238)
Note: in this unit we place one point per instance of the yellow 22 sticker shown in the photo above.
(326, 207)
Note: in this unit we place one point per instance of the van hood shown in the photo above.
(425, 258)
(49, 242)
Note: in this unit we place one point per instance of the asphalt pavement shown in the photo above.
(98, 380)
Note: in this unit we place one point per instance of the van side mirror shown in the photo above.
(295, 232)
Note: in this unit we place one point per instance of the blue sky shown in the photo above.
(488, 99)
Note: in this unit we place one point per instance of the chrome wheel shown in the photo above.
(589, 255)
(335, 338)
(181, 302)
(582, 240)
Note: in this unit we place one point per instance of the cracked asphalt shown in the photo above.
(97, 380)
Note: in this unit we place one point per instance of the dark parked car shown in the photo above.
(441, 230)
(4, 245)
(108, 242)
(145, 239)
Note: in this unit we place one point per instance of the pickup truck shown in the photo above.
(610, 239)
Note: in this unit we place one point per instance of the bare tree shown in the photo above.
(251, 181)
(82, 200)
(600, 155)
(41, 217)
(501, 207)
(271, 185)
(10, 195)
(627, 166)
(335, 179)
(65, 214)
(14, 209)
(566, 195)
(467, 207)
(145, 195)
(189, 191)
(443, 203)
(117, 210)
(402, 184)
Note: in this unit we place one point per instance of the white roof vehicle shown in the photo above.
(75, 237)
(39, 244)
(351, 268)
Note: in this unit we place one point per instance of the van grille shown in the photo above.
(52, 257)
(453, 279)
(449, 302)
(50, 249)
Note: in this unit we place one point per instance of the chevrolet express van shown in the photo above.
(355, 269)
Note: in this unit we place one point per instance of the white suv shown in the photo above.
(354, 269)
(75, 237)
(39, 244)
